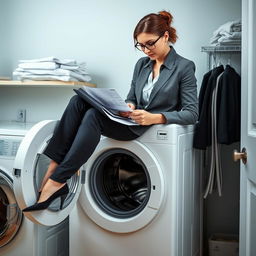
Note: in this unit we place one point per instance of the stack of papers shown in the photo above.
(107, 101)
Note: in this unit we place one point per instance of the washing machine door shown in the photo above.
(10, 213)
(124, 186)
(29, 168)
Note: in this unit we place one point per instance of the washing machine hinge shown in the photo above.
(16, 172)
(83, 176)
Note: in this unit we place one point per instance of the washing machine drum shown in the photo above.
(120, 183)
(10, 214)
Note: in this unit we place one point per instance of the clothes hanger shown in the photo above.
(229, 60)
(214, 65)
(219, 60)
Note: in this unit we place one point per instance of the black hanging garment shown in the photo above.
(228, 114)
(229, 104)
(219, 118)
(202, 136)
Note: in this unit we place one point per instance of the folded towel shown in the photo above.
(51, 59)
(81, 77)
(54, 72)
(48, 68)
(58, 71)
(45, 75)
(229, 42)
(39, 65)
(229, 30)
(235, 37)
(81, 65)
(230, 26)
(78, 70)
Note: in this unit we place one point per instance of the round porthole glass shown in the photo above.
(10, 214)
(120, 183)
(41, 166)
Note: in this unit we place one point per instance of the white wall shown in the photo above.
(100, 33)
(3, 40)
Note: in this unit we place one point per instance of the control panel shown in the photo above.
(162, 135)
(9, 146)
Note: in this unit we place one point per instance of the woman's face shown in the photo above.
(154, 46)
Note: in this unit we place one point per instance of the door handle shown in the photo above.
(240, 155)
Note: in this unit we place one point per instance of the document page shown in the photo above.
(107, 97)
(107, 101)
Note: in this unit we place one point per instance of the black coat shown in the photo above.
(228, 108)
(229, 117)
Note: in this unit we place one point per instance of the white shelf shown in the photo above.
(42, 84)
(227, 48)
(212, 51)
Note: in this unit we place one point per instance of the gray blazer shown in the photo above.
(174, 94)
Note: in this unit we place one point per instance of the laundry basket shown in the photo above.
(223, 245)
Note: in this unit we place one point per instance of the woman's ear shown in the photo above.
(166, 36)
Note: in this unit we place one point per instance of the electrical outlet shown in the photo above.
(21, 115)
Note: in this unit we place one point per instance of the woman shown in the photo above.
(163, 91)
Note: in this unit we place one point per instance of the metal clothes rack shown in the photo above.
(212, 50)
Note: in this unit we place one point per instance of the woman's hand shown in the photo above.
(143, 117)
(127, 114)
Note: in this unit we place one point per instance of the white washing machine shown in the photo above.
(22, 165)
(140, 197)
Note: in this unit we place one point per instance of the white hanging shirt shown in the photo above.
(148, 88)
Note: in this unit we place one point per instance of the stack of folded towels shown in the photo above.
(227, 34)
(51, 68)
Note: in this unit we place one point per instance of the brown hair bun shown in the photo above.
(167, 16)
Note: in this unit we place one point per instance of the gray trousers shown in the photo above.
(77, 135)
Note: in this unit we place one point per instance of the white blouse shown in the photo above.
(148, 88)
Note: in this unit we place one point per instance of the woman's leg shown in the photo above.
(64, 135)
(66, 129)
(51, 169)
(87, 138)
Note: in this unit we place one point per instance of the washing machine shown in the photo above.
(22, 167)
(140, 197)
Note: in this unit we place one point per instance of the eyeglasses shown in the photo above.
(149, 45)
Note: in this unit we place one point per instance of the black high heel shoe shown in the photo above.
(62, 193)
(38, 195)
